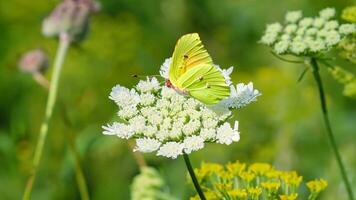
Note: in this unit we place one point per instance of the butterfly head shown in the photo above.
(180, 91)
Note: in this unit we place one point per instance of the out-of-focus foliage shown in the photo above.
(347, 79)
(238, 180)
(348, 45)
(149, 185)
(134, 37)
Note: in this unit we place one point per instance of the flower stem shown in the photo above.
(64, 42)
(140, 160)
(328, 127)
(79, 173)
(194, 178)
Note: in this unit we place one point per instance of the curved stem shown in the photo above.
(286, 60)
(140, 160)
(64, 42)
(328, 127)
(79, 173)
(194, 178)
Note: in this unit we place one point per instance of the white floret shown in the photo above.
(171, 150)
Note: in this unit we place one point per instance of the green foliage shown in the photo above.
(134, 37)
(149, 185)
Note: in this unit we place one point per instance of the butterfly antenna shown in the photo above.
(143, 76)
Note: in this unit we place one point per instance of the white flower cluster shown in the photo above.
(163, 121)
(240, 96)
(306, 36)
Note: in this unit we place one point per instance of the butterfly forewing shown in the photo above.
(189, 52)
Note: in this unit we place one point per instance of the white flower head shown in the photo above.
(193, 143)
(121, 130)
(290, 28)
(164, 70)
(227, 135)
(281, 47)
(331, 25)
(147, 145)
(241, 96)
(298, 47)
(226, 73)
(332, 38)
(150, 85)
(274, 28)
(123, 96)
(306, 22)
(327, 13)
(171, 150)
(293, 16)
(318, 22)
(347, 29)
(269, 38)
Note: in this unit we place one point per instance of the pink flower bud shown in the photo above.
(70, 16)
(34, 61)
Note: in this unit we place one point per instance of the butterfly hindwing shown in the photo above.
(189, 52)
(205, 83)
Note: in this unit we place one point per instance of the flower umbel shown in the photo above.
(164, 121)
(306, 36)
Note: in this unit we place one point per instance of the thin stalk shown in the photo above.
(194, 178)
(140, 160)
(331, 137)
(64, 42)
(79, 174)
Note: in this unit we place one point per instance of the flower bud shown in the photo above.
(34, 61)
(70, 16)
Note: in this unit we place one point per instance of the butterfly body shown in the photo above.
(192, 72)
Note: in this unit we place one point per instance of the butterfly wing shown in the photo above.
(205, 83)
(189, 53)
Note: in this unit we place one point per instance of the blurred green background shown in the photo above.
(128, 37)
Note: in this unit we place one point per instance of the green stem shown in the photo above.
(64, 42)
(194, 178)
(82, 185)
(79, 174)
(328, 127)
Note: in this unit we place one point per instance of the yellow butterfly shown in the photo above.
(192, 72)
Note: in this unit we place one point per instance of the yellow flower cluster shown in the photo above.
(317, 186)
(348, 45)
(349, 14)
(239, 181)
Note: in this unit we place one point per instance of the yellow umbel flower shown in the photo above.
(223, 186)
(349, 14)
(210, 195)
(260, 168)
(247, 176)
(235, 168)
(207, 169)
(271, 186)
(254, 193)
(239, 181)
(317, 186)
(226, 175)
(288, 197)
(238, 194)
(291, 178)
(273, 173)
